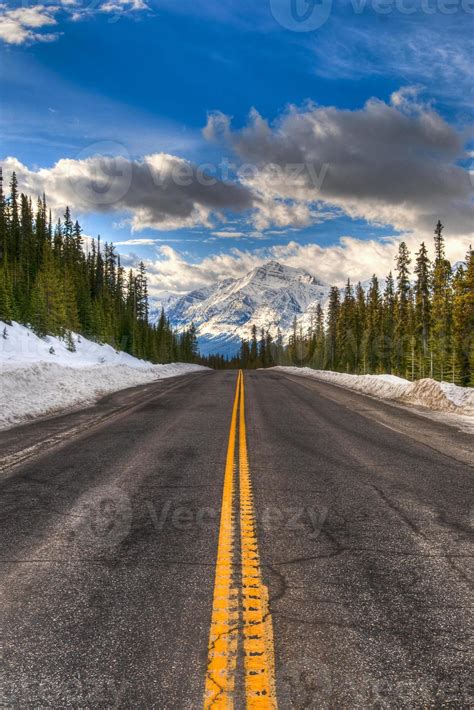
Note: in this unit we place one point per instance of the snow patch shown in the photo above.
(438, 396)
(41, 376)
(22, 346)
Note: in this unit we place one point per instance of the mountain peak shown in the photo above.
(269, 296)
(272, 265)
(280, 274)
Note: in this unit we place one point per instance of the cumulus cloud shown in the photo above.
(23, 25)
(123, 6)
(160, 191)
(358, 259)
(390, 163)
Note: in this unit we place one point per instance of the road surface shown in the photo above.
(159, 546)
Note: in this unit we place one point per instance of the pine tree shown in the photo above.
(319, 336)
(411, 335)
(269, 349)
(463, 322)
(262, 350)
(422, 316)
(164, 344)
(334, 306)
(346, 357)
(388, 325)
(3, 223)
(47, 307)
(71, 321)
(14, 248)
(360, 318)
(442, 308)
(372, 354)
(279, 349)
(6, 295)
(253, 347)
(402, 343)
(293, 343)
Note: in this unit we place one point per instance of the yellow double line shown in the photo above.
(240, 611)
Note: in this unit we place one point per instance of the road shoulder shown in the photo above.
(425, 427)
(34, 437)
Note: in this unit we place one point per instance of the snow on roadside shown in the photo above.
(41, 376)
(438, 396)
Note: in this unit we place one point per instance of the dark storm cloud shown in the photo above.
(395, 163)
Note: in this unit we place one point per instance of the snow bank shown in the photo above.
(22, 346)
(39, 377)
(439, 396)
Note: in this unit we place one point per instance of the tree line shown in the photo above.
(52, 282)
(419, 324)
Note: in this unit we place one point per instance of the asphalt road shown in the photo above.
(109, 534)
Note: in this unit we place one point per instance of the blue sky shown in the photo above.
(376, 93)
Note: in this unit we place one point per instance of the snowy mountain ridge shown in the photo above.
(268, 296)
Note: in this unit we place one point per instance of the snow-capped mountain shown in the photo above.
(269, 296)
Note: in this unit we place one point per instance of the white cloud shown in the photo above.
(124, 6)
(23, 25)
(20, 25)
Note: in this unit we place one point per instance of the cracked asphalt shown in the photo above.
(109, 527)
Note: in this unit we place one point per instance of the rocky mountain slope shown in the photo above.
(269, 296)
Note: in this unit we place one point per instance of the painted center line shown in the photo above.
(240, 609)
